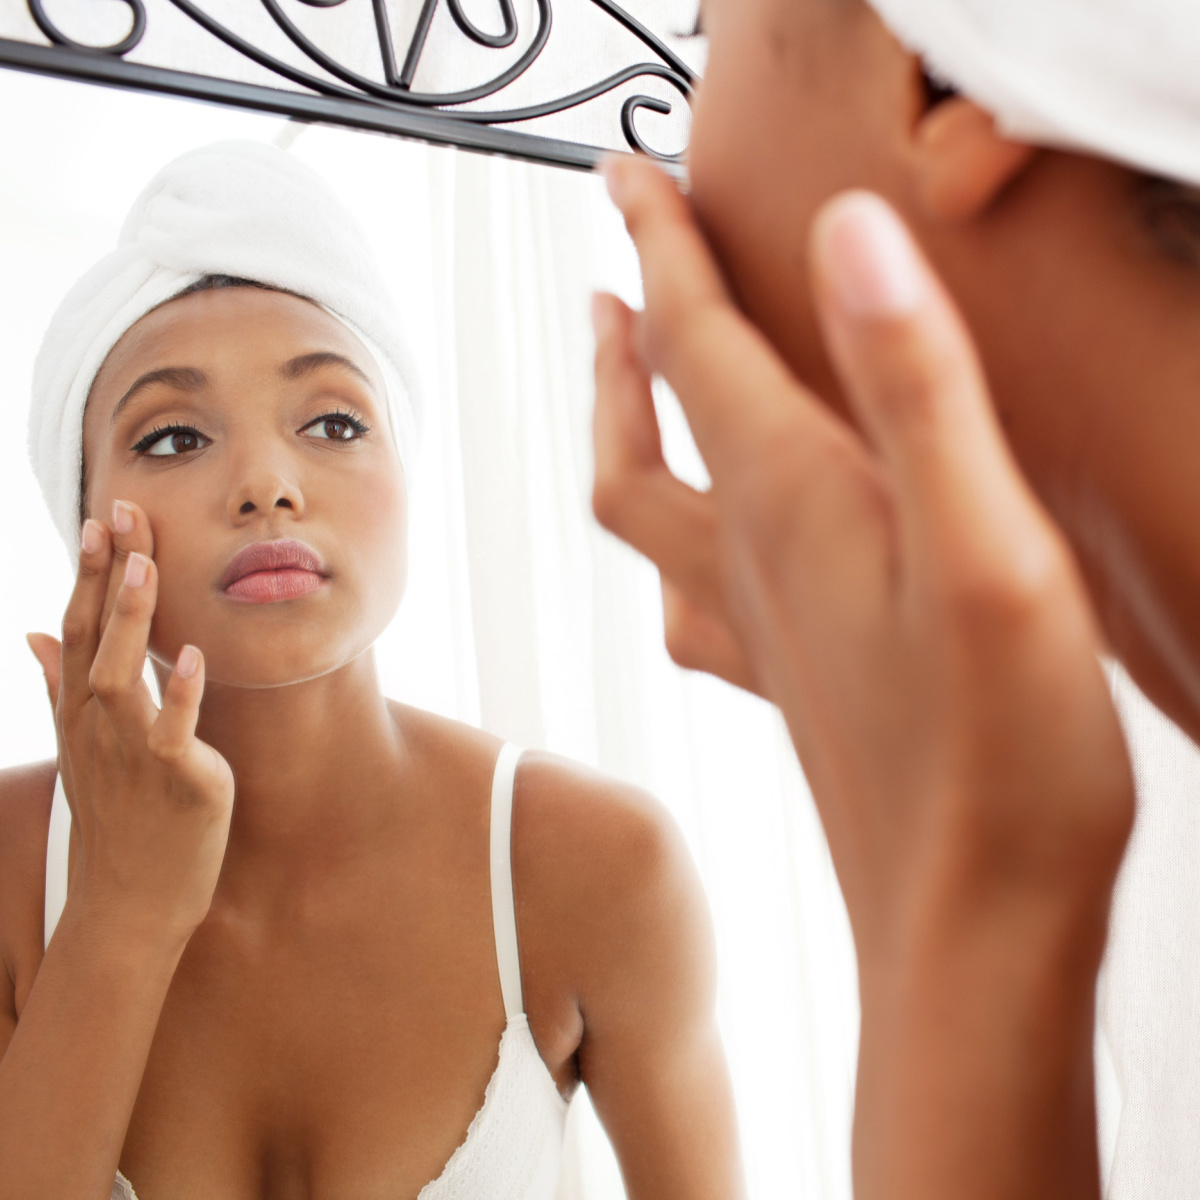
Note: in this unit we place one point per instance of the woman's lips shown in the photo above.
(265, 587)
(268, 571)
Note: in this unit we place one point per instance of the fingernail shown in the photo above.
(135, 570)
(602, 316)
(188, 661)
(91, 539)
(869, 258)
(122, 517)
(613, 170)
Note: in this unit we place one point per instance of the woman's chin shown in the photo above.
(262, 666)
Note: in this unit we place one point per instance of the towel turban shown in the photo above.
(243, 209)
(1116, 78)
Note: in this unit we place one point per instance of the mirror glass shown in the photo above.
(520, 615)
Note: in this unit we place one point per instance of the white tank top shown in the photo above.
(514, 1143)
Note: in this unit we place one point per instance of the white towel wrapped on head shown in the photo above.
(1115, 78)
(244, 209)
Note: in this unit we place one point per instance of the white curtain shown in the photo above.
(559, 637)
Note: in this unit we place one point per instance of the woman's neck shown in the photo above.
(319, 769)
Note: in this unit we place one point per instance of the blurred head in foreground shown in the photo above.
(1046, 153)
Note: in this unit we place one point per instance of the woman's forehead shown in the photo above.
(226, 327)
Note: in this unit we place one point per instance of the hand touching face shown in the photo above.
(899, 592)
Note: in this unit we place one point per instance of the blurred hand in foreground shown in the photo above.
(899, 593)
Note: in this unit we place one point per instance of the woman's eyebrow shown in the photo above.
(306, 364)
(186, 379)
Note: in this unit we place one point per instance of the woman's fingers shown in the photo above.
(701, 642)
(81, 621)
(131, 534)
(48, 651)
(634, 494)
(116, 675)
(173, 733)
(697, 339)
(172, 738)
(914, 379)
(788, 471)
(628, 423)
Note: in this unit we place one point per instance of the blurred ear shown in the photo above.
(962, 162)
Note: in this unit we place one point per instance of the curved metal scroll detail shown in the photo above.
(497, 41)
(119, 49)
(340, 82)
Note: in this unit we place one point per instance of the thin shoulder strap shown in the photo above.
(58, 843)
(504, 917)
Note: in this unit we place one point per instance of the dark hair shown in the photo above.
(1171, 213)
(212, 283)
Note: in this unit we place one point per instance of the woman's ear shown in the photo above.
(962, 162)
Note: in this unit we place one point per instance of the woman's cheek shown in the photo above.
(380, 516)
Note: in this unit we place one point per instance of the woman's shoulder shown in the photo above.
(604, 867)
(564, 812)
(26, 794)
(581, 839)
(586, 817)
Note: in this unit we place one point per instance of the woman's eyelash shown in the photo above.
(161, 431)
(359, 426)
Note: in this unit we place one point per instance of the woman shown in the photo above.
(928, 617)
(288, 962)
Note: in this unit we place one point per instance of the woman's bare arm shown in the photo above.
(150, 808)
(638, 942)
(72, 1065)
(651, 1055)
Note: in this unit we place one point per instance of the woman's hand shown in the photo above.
(150, 801)
(900, 593)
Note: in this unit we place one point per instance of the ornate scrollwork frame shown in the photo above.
(345, 97)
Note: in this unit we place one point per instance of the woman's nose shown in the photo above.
(260, 491)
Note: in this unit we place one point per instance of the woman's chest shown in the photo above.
(328, 1066)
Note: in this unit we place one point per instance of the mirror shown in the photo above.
(554, 81)
(519, 617)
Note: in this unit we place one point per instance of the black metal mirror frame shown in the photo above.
(362, 103)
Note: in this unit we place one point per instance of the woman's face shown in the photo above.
(1086, 323)
(232, 417)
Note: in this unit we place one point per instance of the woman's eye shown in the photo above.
(168, 443)
(336, 429)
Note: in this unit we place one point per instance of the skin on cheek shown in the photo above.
(772, 139)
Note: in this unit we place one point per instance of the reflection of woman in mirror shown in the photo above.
(289, 949)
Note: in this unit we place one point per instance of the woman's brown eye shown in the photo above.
(334, 429)
(179, 442)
